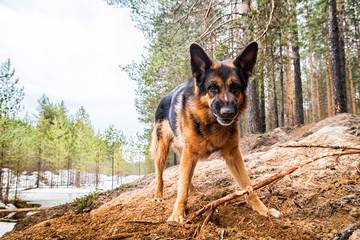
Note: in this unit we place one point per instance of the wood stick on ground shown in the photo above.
(9, 220)
(23, 210)
(213, 205)
(144, 222)
(317, 146)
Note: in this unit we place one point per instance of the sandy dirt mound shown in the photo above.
(316, 201)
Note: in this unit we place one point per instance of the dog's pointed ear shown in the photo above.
(246, 61)
(200, 62)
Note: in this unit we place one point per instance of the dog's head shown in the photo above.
(222, 85)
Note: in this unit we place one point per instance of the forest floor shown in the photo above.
(317, 201)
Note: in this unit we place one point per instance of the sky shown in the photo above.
(71, 50)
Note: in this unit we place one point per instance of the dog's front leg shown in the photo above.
(236, 165)
(187, 167)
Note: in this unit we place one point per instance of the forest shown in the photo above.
(55, 141)
(307, 69)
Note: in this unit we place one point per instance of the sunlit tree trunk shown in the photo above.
(317, 87)
(282, 95)
(331, 98)
(289, 89)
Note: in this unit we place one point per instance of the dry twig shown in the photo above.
(318, 146)
(144, 222)
(213, 205)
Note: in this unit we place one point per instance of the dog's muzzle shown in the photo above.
(225, 115)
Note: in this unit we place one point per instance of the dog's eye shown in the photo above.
(214, 88)
(234, 87)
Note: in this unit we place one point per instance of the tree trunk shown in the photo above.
(341, 20)
(78, 178)
(289, 89)
(241, 127)
(328, 92)
(352, 99)
(9, 177)
(112, 170)
(357, 36)
(97, 173)
(17, 183)
(308, 110)
(312, 101)
(269, 95)
(299, 108)
(275, 107)
(317, 87)
(38, 179)
(282, 107)
(252, 110)
(337, 51)
(262, 114)
(269, 108)
(331, 99)
(69, 166)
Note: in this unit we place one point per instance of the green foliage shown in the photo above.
(308, 133)
(81, 204)
(19, 203)
(125, 185)
(222, 29)
(10, 95)
(55, 140)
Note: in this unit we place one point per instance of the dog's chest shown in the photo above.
(211, 140)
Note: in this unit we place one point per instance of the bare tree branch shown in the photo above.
(269, 22)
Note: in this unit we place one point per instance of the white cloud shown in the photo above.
(71, 51)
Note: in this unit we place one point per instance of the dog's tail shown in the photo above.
(155, 137)
(160, 141)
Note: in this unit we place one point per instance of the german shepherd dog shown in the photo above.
(200, 117)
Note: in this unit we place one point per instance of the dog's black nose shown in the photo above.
(227, 111)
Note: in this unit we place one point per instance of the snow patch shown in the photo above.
(331, 129)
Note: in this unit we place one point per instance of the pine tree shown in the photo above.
(299, 109)
(10, 104)
(337, 52)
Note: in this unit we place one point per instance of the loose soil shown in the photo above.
(317, 201)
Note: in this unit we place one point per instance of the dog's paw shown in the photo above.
(176, 218)
(155, 199)
(273, 212)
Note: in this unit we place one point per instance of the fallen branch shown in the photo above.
(318, 146)
(9, 220)
(23, 210)
(144, 222)
(213, 205)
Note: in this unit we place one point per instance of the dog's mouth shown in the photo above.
(225, 121)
